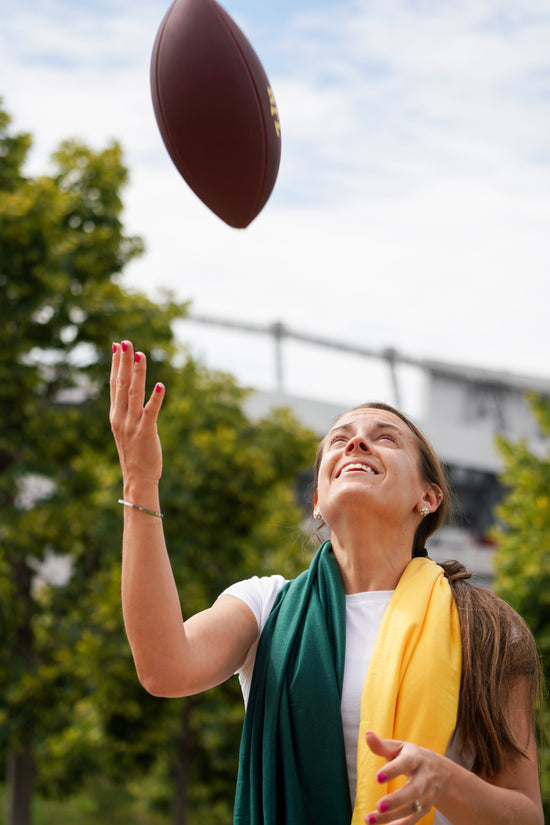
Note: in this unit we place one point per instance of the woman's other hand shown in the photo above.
(426, 774)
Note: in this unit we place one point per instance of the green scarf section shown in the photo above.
(292, 766)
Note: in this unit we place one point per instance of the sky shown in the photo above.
(412, 206)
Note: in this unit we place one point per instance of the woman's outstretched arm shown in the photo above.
(172, 657)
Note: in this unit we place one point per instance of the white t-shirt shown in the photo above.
(364, 613)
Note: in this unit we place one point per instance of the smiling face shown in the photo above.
(370, 466)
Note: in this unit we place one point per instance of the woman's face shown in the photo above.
(370, 464)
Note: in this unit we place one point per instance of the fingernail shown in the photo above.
(137, 357)
(381, 777)
(124, 346)
(114, 347)
(372, 819)
(384, 807)
(158, 388)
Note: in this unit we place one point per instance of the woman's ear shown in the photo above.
(431, 499)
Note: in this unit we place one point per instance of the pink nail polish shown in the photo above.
(114, 348)
(124, 346)
(137, 357)
(158, 388)
(372, 819)
(384, 806)
(382, 777)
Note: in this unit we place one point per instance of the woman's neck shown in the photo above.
(371, 561)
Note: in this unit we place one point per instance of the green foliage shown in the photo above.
(100, 803)
(13, 153)
(69, 689)
(61, 248)
(523, 555)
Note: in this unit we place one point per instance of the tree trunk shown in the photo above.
(20, 781)
(182, 767)
(20, 758)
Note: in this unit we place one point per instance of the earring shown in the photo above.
(317, 515)
(424, 512)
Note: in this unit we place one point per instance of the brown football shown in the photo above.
(215, 109)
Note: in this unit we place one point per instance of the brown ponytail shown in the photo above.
(497, 649)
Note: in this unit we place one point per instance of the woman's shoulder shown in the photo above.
(259, 593)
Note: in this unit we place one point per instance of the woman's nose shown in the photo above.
(357, 443)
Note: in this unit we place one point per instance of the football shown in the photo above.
(215, 110)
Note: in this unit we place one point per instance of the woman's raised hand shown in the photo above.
(134, 422)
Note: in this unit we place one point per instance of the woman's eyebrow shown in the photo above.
(385, 425)
(340, 427)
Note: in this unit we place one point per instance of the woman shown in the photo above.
(379, 689)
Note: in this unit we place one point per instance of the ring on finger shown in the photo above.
(417, 806)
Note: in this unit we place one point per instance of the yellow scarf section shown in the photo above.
(413, 681)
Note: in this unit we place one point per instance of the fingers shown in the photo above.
(401, 817)
(127, 386)
(136, 389)
(115, 363)
(124, 377)
(425, 775)
(154, 403)
(393, 808)
(398, 811)
(121, 372)
(387, 748)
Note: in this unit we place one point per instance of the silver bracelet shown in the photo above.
(139, 507)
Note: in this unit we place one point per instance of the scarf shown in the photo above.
(292, 764)
(412, 687)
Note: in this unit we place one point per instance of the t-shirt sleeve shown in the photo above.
(259, 593)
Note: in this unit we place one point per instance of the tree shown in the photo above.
(523, 551)
(72, 707)
(62, 247)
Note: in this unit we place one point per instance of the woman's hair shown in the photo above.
(498, 649)
(497, 646)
